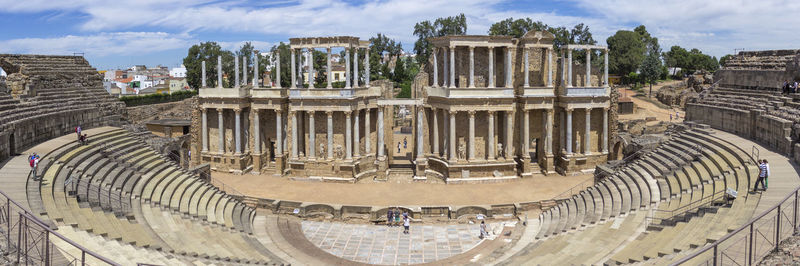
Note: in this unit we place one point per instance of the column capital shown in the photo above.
(568, 109)
(490, 47)
(237, 110)
(204, 110)
(311, 112)
(471, 113)
(549, 111)
(220, 109)
(292, 112)
(348, 113)
(452, 112)
(471, 47)
(605, 109)
(491, 112)
(278, 111)
(588, 109)
(452, 47)
(329, 113)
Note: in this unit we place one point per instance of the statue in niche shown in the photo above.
(577, 146)
(322, 153)
(338, 151)
(462, 150)
(534, 146)
(500, 150)
(229, 142)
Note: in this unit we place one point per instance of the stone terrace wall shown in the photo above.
(759, 69)
(773, 131)
(54, 94)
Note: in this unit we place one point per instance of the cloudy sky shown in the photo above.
(117, 34)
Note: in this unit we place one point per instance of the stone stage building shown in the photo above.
(485, 108)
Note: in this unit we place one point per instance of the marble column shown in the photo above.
(356, 133)
(471, 142)
(330, 134)
(435, 137)
(525, 68)
(312, 137)
(219, 71)
(453, 139)
(330, 77)
(279, 132)
(588, 68)
(491, 67)
(472, 67)
(526, 133)
(300, 70)
(311, 72)
(549, 128)
(435, 68)
(348, 136)
(366, 67)
(562, 132)
(605, 130)
(347, 74)
(508, 67)
(445, 134)
(380, 132)
(569, 67)
(445, 68)
(420, 139)
(605, 67)
(569, 131)
(587, 139)
(238, 130)
(452, 66)
(549, 67)
(355, 70)
(244, 69)
(221, 125)
(205, 128)
(256, 73)
(509, 135)
(367, 131)
(490, 147)
(294, 75)
(203, 66)
(257, 132)
(293, 115)
(236, 72)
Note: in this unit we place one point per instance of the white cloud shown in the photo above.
(101, 44)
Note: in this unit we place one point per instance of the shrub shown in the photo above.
(136, 100)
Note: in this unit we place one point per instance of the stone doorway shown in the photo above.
(401, 143)
(11, 145)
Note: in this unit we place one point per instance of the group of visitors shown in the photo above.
(393, 219)
(33, 159)
(677, 116)
(81, 137)
(763, 175)
(790, 87)
(405, 144)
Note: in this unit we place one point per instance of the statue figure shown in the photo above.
(229, 142)
(337, 150)
(322, 153)
(462, 150)
(534, 144)
(500, 150)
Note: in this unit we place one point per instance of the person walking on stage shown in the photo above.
(762, 173)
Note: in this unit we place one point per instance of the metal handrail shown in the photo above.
(795, 193)
(24, 212)
(686, 208)
(569, 192)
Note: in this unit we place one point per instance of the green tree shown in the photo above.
(208, 52)
(651, 68)
(381, 45)
(724, 59)
(626, 52)
(424, 30)
(516, 28)
(650, 43)
(677, 57)
(281, 49)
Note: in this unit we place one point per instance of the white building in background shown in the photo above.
(178, 72)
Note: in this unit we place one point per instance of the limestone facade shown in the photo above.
(485, 108)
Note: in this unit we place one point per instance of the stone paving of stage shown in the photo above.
(376, 244)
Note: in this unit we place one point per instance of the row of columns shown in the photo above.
(449, 67)
(588, 68)
(567, 132)
(451, 138)
(221, 128)
(309, 62)
(237, 82)
(526, 68)
(352, 138)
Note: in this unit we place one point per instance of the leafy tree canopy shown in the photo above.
(455, 25)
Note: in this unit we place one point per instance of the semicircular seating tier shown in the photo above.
(122, 193)
(667, 201)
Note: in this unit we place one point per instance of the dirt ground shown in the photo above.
(646, 109)
(523, 190)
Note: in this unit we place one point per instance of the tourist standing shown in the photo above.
(78, 131)
(398, 147)
(405, 143)
(762, 173)
(670, 117)
(397, 216)
(406, 224)
(766, 176)
(483, 229)
(389, 217)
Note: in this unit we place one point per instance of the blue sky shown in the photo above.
(117, 34)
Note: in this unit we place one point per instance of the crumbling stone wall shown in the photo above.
(172, 110)
(675, 95)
